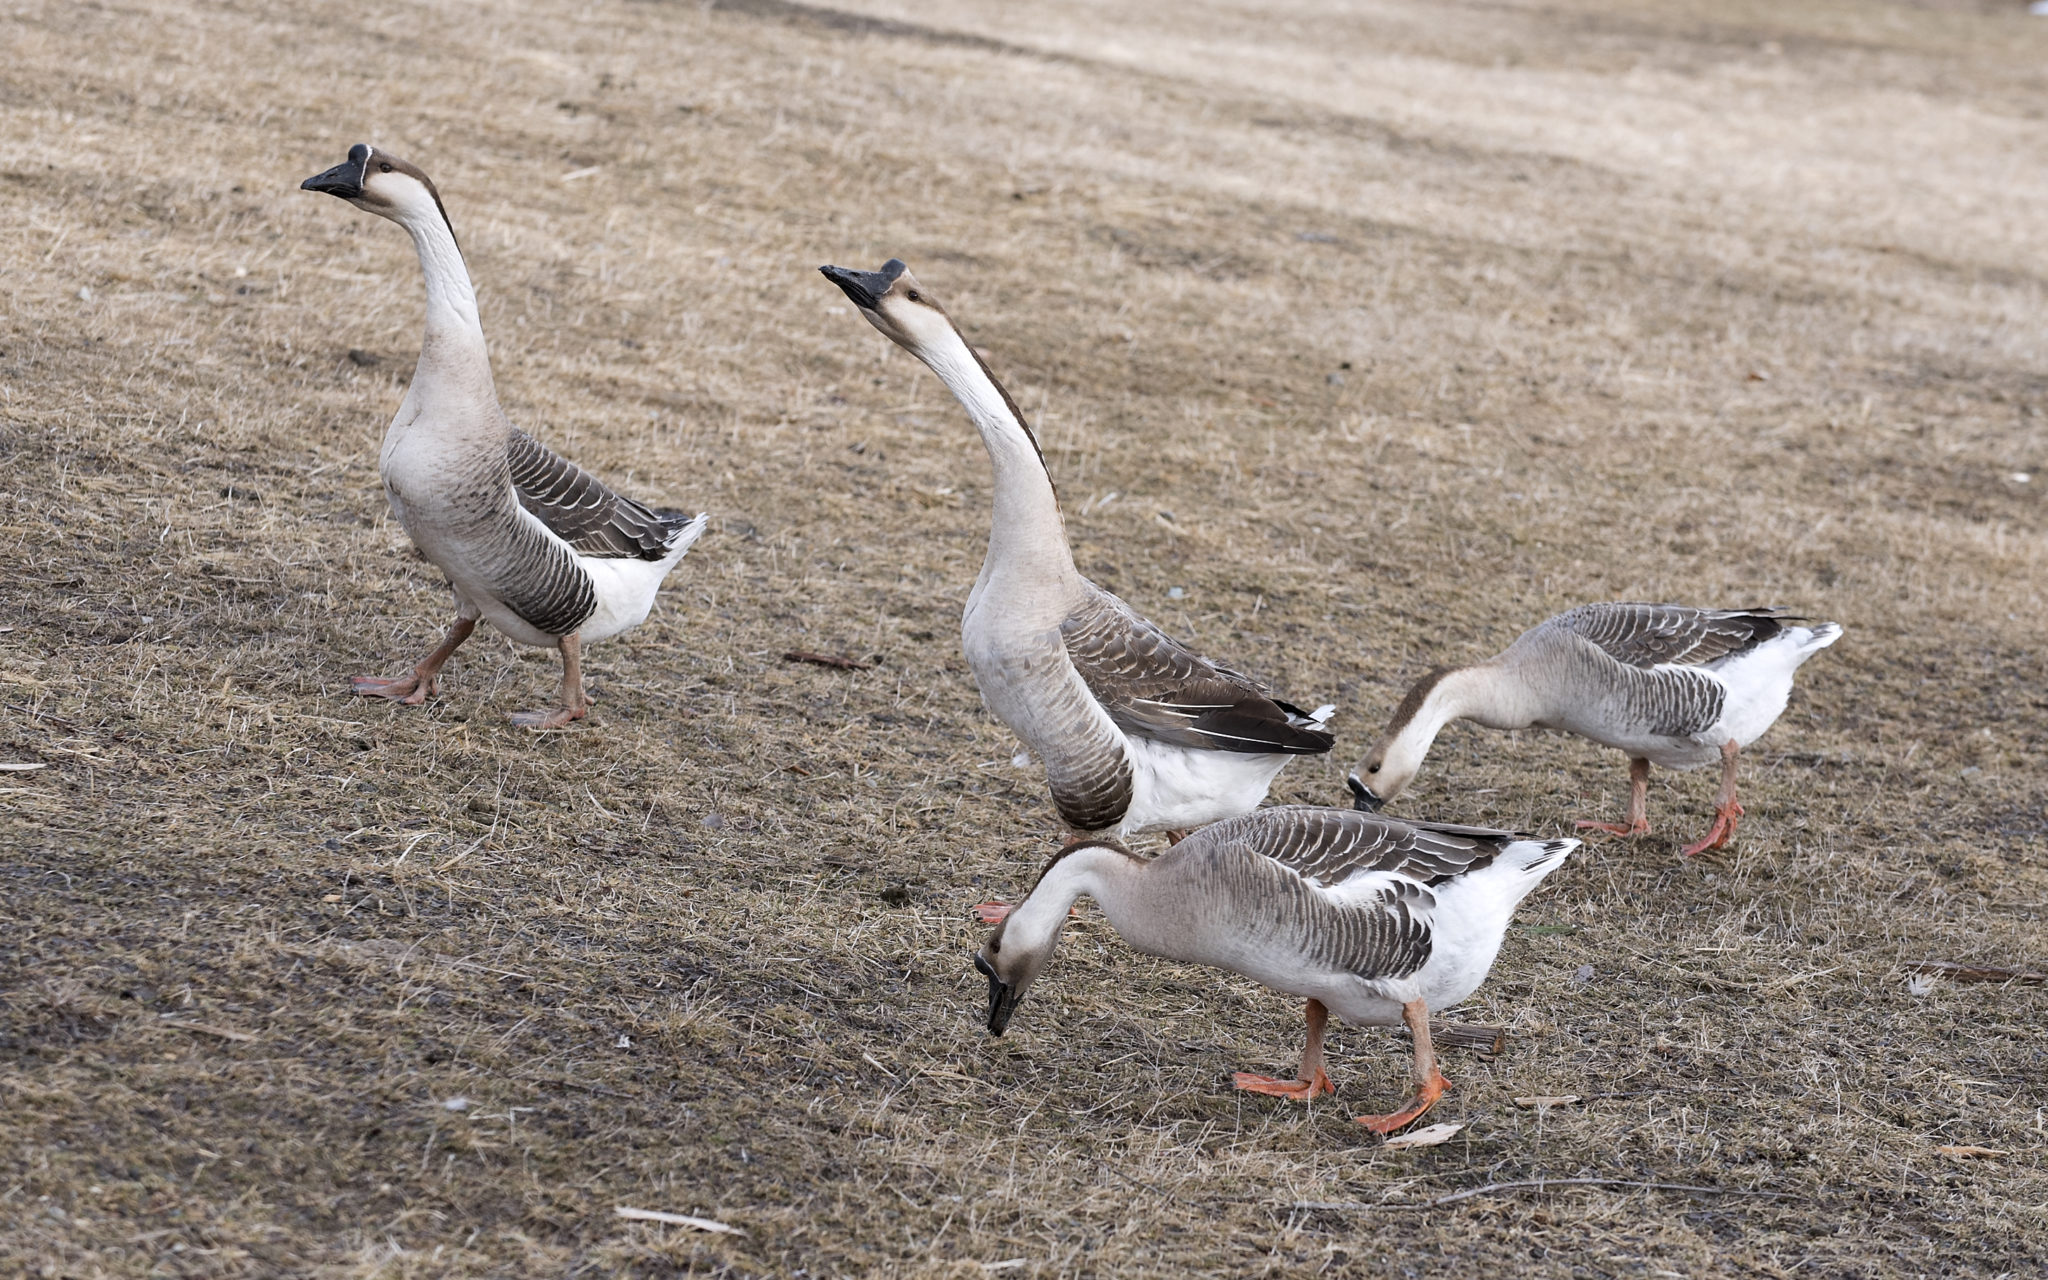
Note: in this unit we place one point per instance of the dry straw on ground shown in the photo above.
(1380, 331)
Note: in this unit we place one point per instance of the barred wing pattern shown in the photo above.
(540, 579)
(1330, 846)
(1155, 687)
(581, 510)
(1651, 635)
(1349, 889)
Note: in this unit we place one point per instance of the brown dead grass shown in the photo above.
(1422, 322)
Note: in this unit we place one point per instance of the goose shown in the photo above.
(1137, 733)
(529, 541)
(1374, 920)
(1668, 684)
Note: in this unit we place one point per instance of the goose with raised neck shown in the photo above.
(1374, 920)
(1668, 684)
(1136, 731)
(530, 542)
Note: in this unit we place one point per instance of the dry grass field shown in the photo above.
(1360, 336)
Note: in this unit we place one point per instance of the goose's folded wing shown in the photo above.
(1332, 848)
(1155, 687)
(1652, 635)
(584, 512)
(1352, 890)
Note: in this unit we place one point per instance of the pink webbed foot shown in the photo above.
(1717, 835)
(1273, 1086)
(1424, 1099)
(407, 690)
(1624, 829)
(553, 718)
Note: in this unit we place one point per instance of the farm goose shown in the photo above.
(1374, 920)
(1669, 685)
(1137, 732)
(529, 541)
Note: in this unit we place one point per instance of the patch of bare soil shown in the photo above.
(1359, 337)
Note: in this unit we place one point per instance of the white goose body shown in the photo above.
(531, 543)
(1669, 685)
(1374, 920)
(1136, 732)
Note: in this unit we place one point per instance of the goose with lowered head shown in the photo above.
(1668, 684)
(1136, 731)
(530, 542)
(1374, 920)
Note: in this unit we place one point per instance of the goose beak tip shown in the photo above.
(1362, 797)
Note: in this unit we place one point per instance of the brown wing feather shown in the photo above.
(1154, 687)
(1650, 635)
(1329, 846)
(582, 510)
(1285, 860)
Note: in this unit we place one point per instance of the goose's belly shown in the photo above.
(1177, 789)
(460, 545)
(1663, 750)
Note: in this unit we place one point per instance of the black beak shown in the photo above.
(1002, 998)
(1362, 798)
(345, 179)
(865, 287)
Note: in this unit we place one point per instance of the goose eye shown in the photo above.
(384, 168)
(995, 948)
(913, 296)
(1372, 768)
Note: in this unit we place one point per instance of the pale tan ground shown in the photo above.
(1421, 320)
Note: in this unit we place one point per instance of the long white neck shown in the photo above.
(453, 346)
(1027, 540)
(1487, 694)
(1106, 875)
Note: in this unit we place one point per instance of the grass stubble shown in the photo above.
(1380, 333)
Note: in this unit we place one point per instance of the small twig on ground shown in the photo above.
(1469, 1035)
(223, 1032)
(826, 660)
(1110, 1168)
(1955, 972)
(59, 721)
(1495, 1188)
(677, 1220)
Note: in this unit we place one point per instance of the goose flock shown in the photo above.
(1373, 918)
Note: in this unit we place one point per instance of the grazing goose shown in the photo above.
(1670, 685)
(1374, 920)
(528, 540)
(1137, 732)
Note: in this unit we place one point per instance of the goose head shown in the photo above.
(381, 183)
(1392, 762)
(1371, 796)
(1010, 970)
(1386, 770)
(896, 304)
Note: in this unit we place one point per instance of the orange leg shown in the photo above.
(1429, 1082)
(1312, 1080)
(417, 685)
(571, 705)
(1638, 822)
(1175, 837)
(1726, 810)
